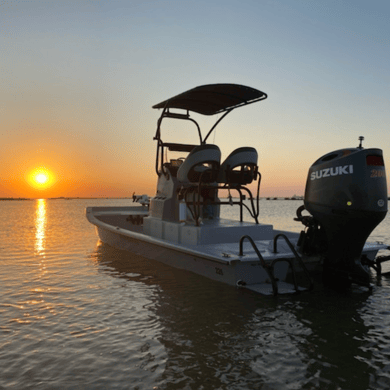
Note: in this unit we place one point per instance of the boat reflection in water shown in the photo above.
(204, 334)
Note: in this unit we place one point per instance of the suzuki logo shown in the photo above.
(334, 171)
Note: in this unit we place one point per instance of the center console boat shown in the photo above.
(345, 196)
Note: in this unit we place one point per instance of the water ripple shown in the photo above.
(75, 313)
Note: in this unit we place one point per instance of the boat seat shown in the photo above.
(240, 167)
(202, 163)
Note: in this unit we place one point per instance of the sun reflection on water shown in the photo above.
(40, 226)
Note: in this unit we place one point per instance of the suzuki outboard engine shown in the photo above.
(346, 193)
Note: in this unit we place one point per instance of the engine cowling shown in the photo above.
(346, 193)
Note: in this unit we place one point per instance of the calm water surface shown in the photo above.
(78, 314)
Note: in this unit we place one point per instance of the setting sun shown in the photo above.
(41, 178)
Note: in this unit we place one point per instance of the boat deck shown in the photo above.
(121, 221)
(213, 249)
(217, 239)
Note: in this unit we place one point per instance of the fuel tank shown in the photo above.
(346, 193)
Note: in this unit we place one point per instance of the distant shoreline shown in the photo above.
(65, 198)
(129, 197)
(71, 198)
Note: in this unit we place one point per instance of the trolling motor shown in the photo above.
(346, 195)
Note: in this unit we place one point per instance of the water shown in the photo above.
(78, 314)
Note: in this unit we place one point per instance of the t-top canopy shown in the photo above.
(213, 98)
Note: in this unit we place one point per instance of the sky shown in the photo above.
(79, 78)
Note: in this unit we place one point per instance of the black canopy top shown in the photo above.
(213, 98)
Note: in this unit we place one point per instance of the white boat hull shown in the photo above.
(229, 272)
(220, 262)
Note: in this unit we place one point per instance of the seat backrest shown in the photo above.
(201, 163)
(245, 159)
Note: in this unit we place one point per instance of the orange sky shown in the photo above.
(82, 164)
(78, 82)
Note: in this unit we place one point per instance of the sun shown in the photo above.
(41, 178)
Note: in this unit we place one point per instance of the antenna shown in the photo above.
(361, 139)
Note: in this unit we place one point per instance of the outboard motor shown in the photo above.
(346, 193)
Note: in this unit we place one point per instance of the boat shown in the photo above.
(345, 199)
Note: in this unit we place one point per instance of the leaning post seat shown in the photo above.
(244, 158)
(202, 163)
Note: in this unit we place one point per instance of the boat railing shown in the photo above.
(376, 264)
(200, 187)
(270, 268)
(293, 273)
(255, 209)
(195, 205)
(296, 255)
(266, 266)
